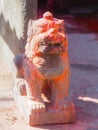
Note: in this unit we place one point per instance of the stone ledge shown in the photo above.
(53, 117)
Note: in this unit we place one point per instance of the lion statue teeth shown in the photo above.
(45, 64)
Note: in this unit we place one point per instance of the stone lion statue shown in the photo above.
(44, 68)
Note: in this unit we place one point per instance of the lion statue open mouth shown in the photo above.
(45, 64)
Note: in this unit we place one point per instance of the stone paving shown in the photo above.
(83, 51)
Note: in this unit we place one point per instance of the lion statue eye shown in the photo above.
(42, 43)
(54, 45)
(57, 44)
(50, 45)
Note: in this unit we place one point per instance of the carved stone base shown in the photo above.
(50, 116)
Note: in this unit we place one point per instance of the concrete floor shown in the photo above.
(82, 34)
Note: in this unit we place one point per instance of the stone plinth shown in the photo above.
(53, 117)
(50, 116)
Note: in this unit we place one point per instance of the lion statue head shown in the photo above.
(46, 45)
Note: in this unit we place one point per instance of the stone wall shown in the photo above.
(14, 17)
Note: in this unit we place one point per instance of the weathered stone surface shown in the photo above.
(14, 17)
(17, 13)
(50, 116)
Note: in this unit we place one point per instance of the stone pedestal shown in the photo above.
(50, 116)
